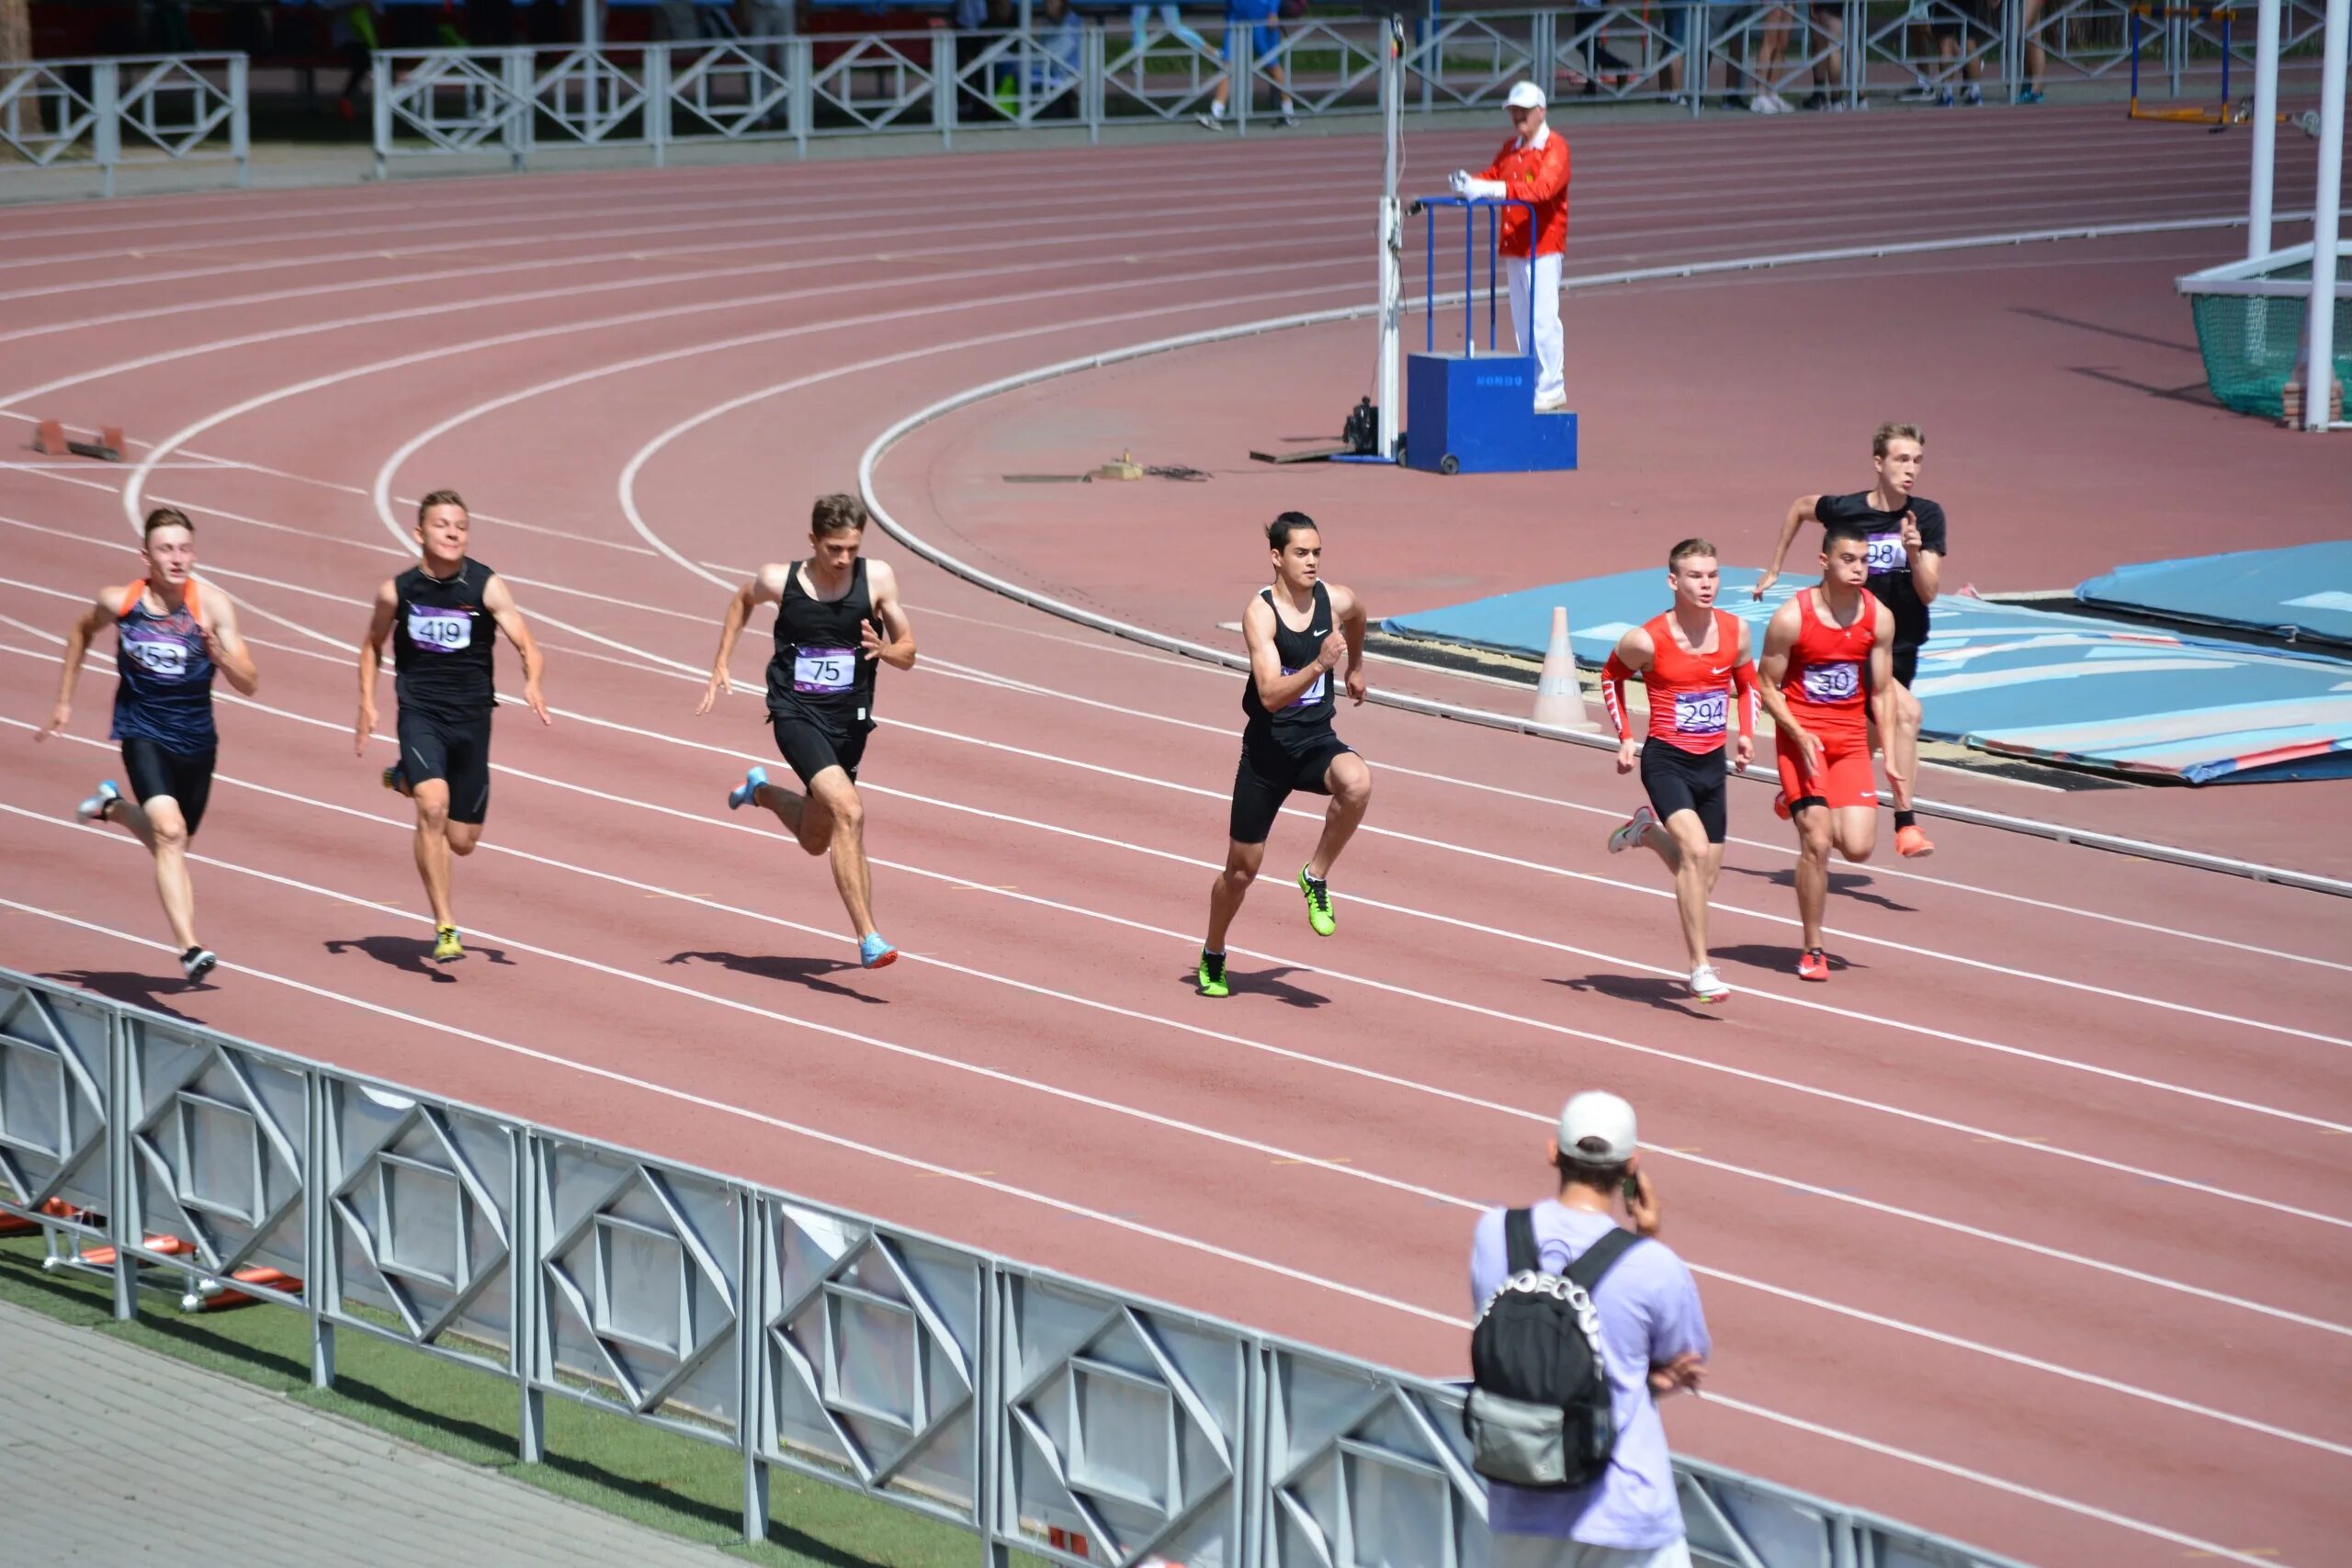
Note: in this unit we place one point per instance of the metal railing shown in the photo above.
(108, 113)
(1042, 1412)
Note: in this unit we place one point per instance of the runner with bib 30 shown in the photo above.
(1828, 657)
(838, 617)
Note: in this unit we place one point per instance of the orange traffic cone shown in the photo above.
(56, 1208)
(1559, 700)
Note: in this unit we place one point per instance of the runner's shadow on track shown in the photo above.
(140, 990)
(1657, 990)
(1778, 960)
(413, 956)
(1268, 982)
(1854, 884)
(809, 972)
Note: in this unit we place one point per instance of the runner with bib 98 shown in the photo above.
(838, 617)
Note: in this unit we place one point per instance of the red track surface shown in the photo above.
(2032, 1227)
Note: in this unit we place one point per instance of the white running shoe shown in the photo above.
(94, 808)
(1780, 105)
(1627, 836)
(1708, 985)
(1765, 103)
(196, 963)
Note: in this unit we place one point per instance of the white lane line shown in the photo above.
(670, 988)
(2232, 1194)
(1318, 1280)
(997, 975)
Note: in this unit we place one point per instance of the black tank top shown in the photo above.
(1310, 713)
(818, 672)
(442, 639)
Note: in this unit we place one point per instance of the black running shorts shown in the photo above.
(1906, 663)
(1685, 781)
(455, 751)
(185, 776)
(810, 749)
(1268, 773)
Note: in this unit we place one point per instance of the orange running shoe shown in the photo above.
(1912, 843)
(1814, 964)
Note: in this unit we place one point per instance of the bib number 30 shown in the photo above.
(823, 670)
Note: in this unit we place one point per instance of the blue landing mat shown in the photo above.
(2065, 688)
(2304, 592)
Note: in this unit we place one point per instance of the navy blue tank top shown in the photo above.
(165, 692)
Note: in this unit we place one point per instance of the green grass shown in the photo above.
(641, 1474)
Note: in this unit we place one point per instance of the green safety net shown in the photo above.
(2250, 343)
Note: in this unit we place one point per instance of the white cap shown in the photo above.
(1525, 96)
(1598, 1115)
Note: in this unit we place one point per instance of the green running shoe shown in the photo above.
(1318, 903)
(1211, 976)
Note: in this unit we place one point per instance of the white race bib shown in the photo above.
(166, 657)
(1314, 692)
(1701, 713)
(822, 670)
(1832, 682)
(443, 631)
(1887, 554)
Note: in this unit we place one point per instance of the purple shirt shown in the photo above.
(1650, 1314)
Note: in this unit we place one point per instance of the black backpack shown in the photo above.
(1539, 1413)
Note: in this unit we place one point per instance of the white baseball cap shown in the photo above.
(1597, 1114)
(1525, 96)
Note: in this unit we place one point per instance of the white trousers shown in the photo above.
(1544, 341)
(1547, 1551)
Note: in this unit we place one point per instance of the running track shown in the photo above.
(2033, 1227)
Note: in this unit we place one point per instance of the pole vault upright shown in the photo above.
(2327, 210)
(1392, 236)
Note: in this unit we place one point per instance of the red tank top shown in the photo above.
(1690, 693)
(1829, 664)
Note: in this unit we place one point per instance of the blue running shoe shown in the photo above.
(94, 810)
(741, 795)
(873, 952)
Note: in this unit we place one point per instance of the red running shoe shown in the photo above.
(1814, 964)
(1911, 843)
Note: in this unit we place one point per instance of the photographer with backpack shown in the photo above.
(1582, 1326)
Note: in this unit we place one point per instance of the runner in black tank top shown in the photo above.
(1299, 632)
(443, 616)
(174, 633)
(838, 618)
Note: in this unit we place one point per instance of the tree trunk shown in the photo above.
(23, 114)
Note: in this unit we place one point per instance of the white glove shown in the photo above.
(1492, 189)
(1460, 182)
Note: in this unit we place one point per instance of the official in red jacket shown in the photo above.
(1532, 167)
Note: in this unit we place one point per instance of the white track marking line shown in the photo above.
(996, 977)
(1320, 1281)
(1821, 1303)
(1980, 1133)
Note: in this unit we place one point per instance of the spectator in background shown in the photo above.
(1054, 68)
(1772, 42)
(1653, 1338)
(1172, 22)
(162, 28)
(1830, 64)
(354, 33)
(1259, 17)
(1531, 167)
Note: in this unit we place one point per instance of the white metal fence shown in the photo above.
(1040, 1412)
(100, 115)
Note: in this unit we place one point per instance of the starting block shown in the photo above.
(52, 442)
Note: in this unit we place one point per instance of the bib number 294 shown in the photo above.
(823, 670)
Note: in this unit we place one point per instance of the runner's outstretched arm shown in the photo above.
(371, 661)
(1351, 625)
(224, 644)
(765, 588)
(1743, 678)
(77, 648)
(1631, 656)
(1800, 512)
(1773, 669)
(1883, 698)
(882, 586)
(501, 605)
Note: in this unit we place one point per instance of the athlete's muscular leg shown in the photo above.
(1681, 842)
(1232, 886)
(805, 817)
(834, 800)
(1902, 746)
(433, 829)
(1349, 779)
(1814, 833)
(158, 824)
(1855, 828)
(463, 837)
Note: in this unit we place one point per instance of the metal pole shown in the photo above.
(2265, 128)
(2328, 212)
(239, 125)
(1392, 238)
